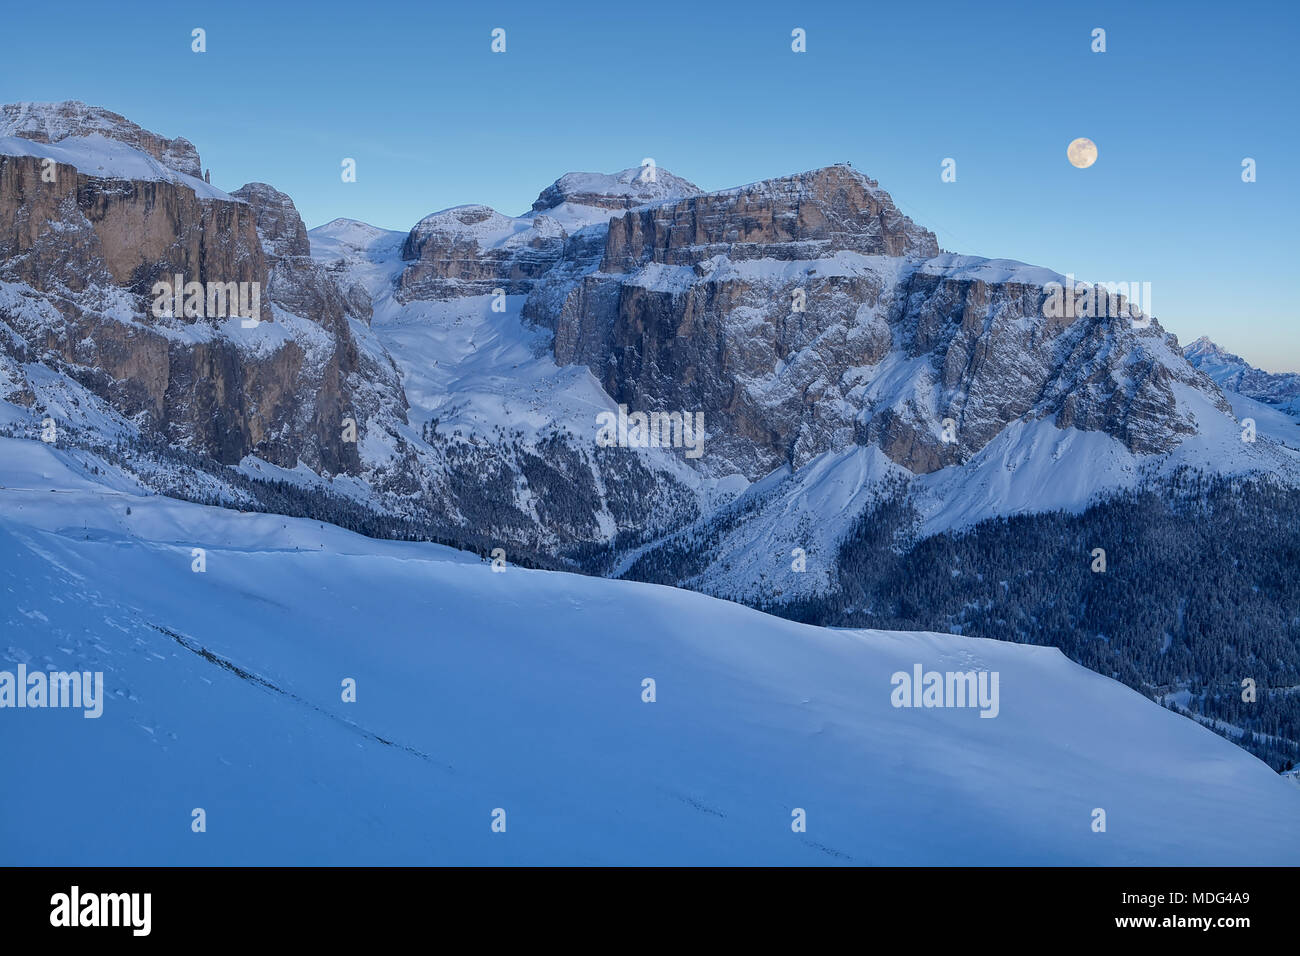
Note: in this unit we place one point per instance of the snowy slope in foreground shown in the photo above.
(522, 690)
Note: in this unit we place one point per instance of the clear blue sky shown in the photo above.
(712, 91)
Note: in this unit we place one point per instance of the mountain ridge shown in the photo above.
(1233, 373)
(448, 381)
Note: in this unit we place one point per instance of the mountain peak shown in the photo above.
(278, 223)
(811, 181)
(345, 238)
(626, 189)
(51, 122)
(344, 228)
(803, 215)
(478, 223)
(1234, 374)
(1206, 348)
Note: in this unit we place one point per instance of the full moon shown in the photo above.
(1082, 152)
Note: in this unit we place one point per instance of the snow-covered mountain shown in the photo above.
(519, 696)
(57, 123)
(866, 398)
(943, 364)
(1234, 374)
(800, 317)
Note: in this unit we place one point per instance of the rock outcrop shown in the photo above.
(93, 248)
(70, 229)
(473, 250)
(344, 381)
(795, 217)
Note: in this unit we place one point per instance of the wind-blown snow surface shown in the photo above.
(522, 691)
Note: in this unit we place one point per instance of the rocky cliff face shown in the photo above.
(92, 247)
(342, 380)
(76, 229)
(473, 250)
(795, 217)
(802, 315)
(807, 314)
(95, 247)
(279, 227)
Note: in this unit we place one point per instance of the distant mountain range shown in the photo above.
(1234, 374)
